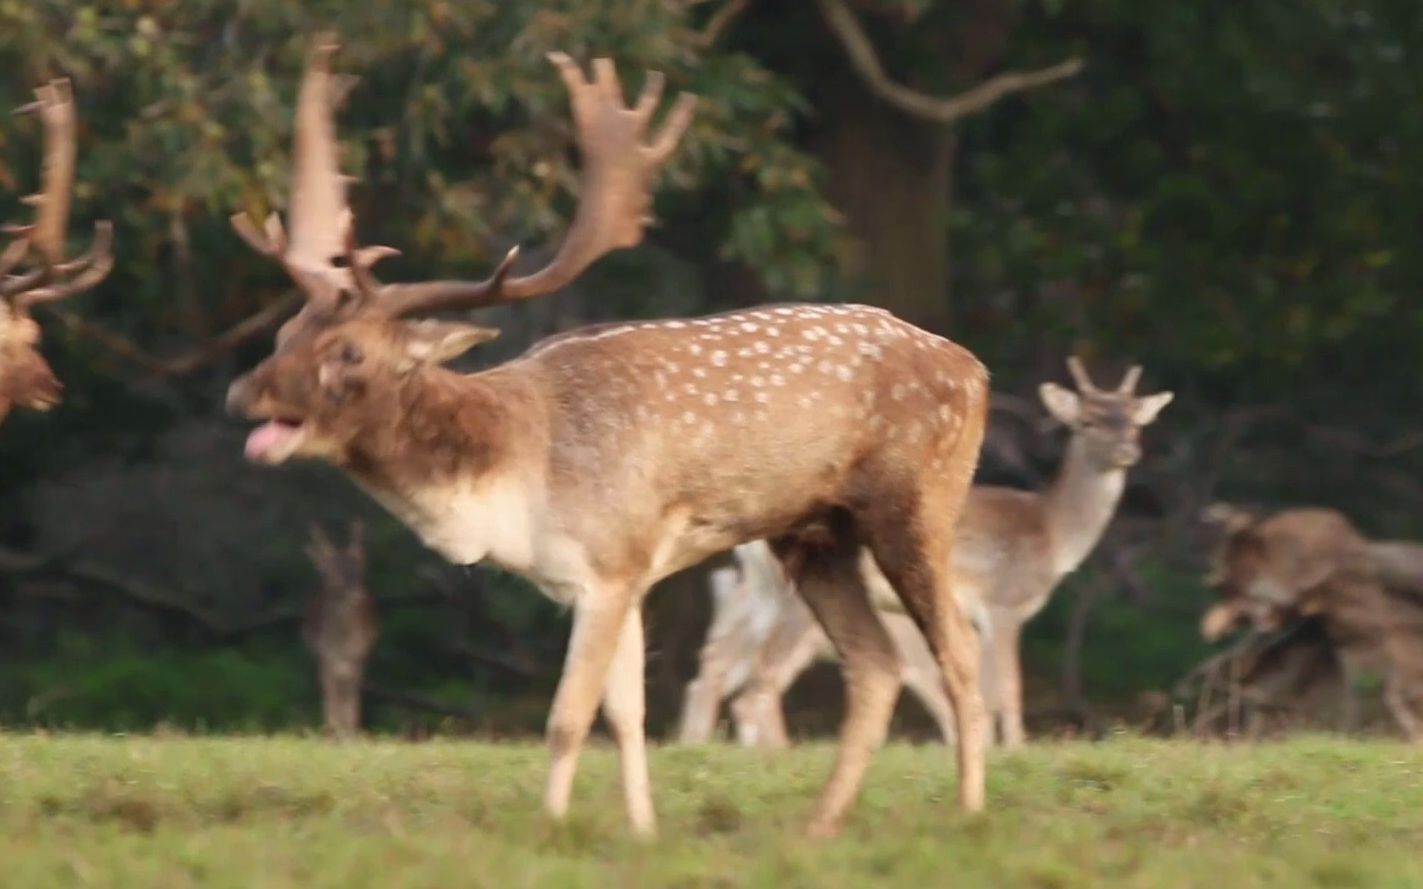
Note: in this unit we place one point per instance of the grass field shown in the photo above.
(298, 812)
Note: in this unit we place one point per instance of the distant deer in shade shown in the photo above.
(339, 626)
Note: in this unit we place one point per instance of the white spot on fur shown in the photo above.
(718, 358)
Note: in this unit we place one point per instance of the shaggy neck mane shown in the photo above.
(434, 427)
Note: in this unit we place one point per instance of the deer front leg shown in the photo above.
(1008, 679)
(331, 707)
(1397, 698)
(790, 647)
(1352, 673)
(598, 620)
(624, 706)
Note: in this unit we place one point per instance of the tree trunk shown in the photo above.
(892, 177)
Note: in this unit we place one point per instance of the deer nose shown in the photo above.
(239, 396)
(1127, 454)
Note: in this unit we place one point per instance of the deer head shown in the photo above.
(1270, 571)
(342, 569)
(1108, 422)
(33, 269)
(343, 361)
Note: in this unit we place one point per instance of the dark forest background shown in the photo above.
(1227, 193)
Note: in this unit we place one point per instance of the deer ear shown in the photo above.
(435, 342)
(1147, 408)
(1061, 403)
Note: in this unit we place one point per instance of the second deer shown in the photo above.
(1012, 549)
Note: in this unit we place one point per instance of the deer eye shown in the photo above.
(351, 354)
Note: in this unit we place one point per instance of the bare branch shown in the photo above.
(720, 20)
(867, 65)
(188, 362)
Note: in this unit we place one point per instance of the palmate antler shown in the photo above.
(52, 278)
(618, 166)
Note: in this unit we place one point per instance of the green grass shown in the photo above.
(81, 810)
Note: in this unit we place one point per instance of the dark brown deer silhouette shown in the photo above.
(340, 627)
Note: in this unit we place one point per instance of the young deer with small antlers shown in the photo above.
(1012, 548)
(339, 626)
(607, 458)
(33, 269)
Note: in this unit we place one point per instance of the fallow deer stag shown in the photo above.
(33, 269)
(1314, 563)
(1012, 549)
(607, 458)
(339, 627)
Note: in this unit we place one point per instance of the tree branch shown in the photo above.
(867, 65)
(721, 20)
(58, 567)
(179, 365)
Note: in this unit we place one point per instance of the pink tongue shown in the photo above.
(266, 437)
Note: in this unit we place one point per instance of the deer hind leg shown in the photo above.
(790, 647)
(349, 701)
(624, 707)
(828, 579)
(1008, 680)
(913, 555)
(599, 618)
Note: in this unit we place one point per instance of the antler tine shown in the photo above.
(14, 254)
(1228, 516)
(1133, 376)
(1079, 375)
(618, 166)
(88, 270)
(359, 260)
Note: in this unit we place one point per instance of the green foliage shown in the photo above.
(300, 812)
(1227, 192)
(95, 682)
(1227, 189)
(457, 133)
